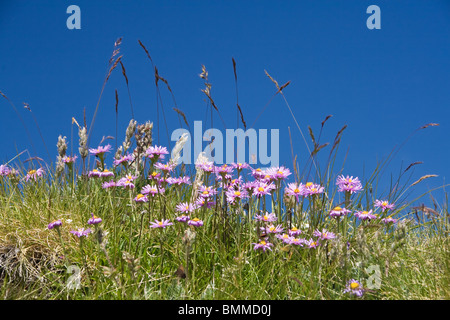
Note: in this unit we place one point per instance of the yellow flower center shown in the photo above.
(263, 242)
(384, 203)
(32, 172)
(196, 219)
(337, 209)
(240, 164)
(205, 192)
(259, 170)
(106, 170)
(313, 243)
(266, 218)
(95, 170)
(271, 228)
(354, 285)
(294, 229)
(280, 172)
(154, 174)
(313, 189)
(237, 193)
(296, 190)
(308, 184)
(139, 196)
(260, 189)
(160, 223)
(364, 212)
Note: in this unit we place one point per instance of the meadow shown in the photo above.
(133, 223)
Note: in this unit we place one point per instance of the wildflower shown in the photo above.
(236, 182)
(365, 215)
(278, 173)
(268, 217)
(389, 220)
(240, 166)
(206, 192)
(272, 229)
(109, 184)
(297, 241)
(185, 207)
(294, 231)
(69, 160)
(152, 190)
(4, 170)
(203, 202)
(183, 218)
(160, 224)
(223, 170)
(295, 190)
(348, 184)
(196, 222)
(55, 224)
(166, 168)
(141, 198)
(81, 232)
(384, 205)
(233, 195)
(207, 167)
(284, 237)
(324, 235)
(262, 245)
(258, 174)
(178, 181)
(155, 153)
(124, 159)
(126, 182)
(311, 188)
(100, 151)
(312, 244)
(354, 287)
(262, 189)
(94, 173)
(338, 212)
(249, 186)
(34, 174)
(94, 219)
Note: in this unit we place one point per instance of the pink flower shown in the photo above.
(295, 190)
(68, 159)
(294, 231)
(185, 207)
(81, 232)
(234, 195)
(100, 151)
(268, 217)
(258, 173)
(384, 205)
(278, 173)
(354, 287)
(389, 220)
(124, 159)
(348, 184)
(207, 192)
(312, 244)
(324, 235)
(261, 189)
(196, 222)
(262, 245)
(160, 224)
(141, 198)
(182, 218)
(178, 181)
(165, 167)
(297, 241)
(310, 188)
(109, 184)
(55, 224)
(285, 238)
(223, 170)
(365, 215)
(152, 190)
(204, 203)
(207, 167)
(240, 166)
(155, 153)
(94, 219)
(272, 229)
(338, 212)
(4, 170)
(34, 174)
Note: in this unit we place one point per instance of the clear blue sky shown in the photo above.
(383, 83)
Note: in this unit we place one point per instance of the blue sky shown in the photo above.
(383, 84)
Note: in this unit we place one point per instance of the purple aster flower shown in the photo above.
(268, 217)
(258, 173)
(155, 153)
(152, 190)
(100, 151)
(262, 245)
(295, 190)
(94, 173)
(55, 224)
(126, 159)
(204, 203)
(178, 181)
(294, 232)
(312, 244)
(4, 170)
(207, 167)
(272, 229)
(141, 198)
(196, 222)
(206, 192)
(389, 220)
(81, 232)
(69, 160)
(262, 188)
(324, 235)
(165, 167)
(278, 173)
(182, 218)
(384, 205)
(297, 241)
(284, 237)
(354, 287)
(94, 219)
(160, 224)
(235, 195)
(107, 185)
(34, 174)
(348, 184)
(185, 207)
(240, 166)
(224, 171)
(338, 212)
(311, 188)
(249, 187)
(365, 215)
